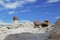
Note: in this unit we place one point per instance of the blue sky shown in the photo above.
(29, 10)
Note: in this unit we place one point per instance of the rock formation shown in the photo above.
(37, 23)
(15, 19)
(46, 23)
(55, 33)
(26, 30)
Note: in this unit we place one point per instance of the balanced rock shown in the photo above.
(37, 23)
(45, 23)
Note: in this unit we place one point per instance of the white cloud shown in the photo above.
(7, 0)
(15, 4)
(58, 17)
(1, 2)
(24, 11)
(51, 1)
(43, 5)
(30, 1)
(11, 12)
(11, 5)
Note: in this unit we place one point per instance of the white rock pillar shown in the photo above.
(15, 19)
(16, 23)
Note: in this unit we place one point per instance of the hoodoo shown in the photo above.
(15, 19)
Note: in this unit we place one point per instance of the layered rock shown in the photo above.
(55, 33)
(36, 33)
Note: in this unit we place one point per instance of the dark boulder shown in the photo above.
(44, 24)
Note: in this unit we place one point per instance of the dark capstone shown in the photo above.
(15, 18)
(44, 24)
(47, 21)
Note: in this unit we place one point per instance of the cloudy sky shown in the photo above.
(29, 10)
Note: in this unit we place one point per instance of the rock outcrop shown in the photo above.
(55, 33)
(24, 31)
(26, 36)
